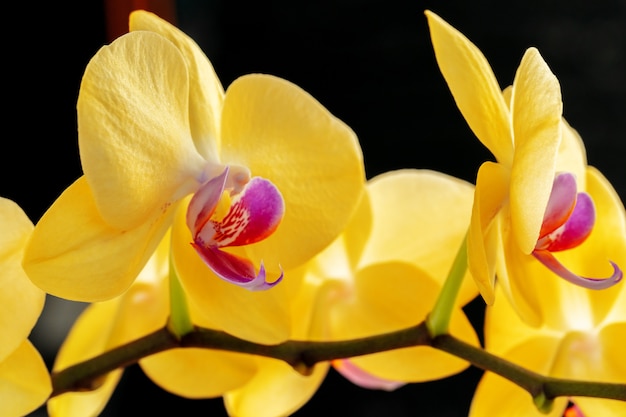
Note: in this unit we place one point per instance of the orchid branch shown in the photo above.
(303, 355)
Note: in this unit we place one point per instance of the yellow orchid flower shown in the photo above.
(385, 271)
(24, 379)
(581, 338)
(258, 168)
(531, 202)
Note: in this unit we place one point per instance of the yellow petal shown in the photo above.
(492, 389)
(283, 134)
(473, 86)
(24, 381)
(421, 363)
(529, 286)
(73, 254)
(504, 329)
(89, 336)
(198, 373)
(18, 293)
(392, 296)
(133, 129)
(421, 217)
(536, 108)
(260, 316)
(535, 354)
(276, 390)
(206, 93)
(482, 241)
(592, 356)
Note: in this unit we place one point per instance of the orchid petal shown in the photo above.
(24, 381)
(377, 306)
(235, 269)
(535, 355)
(408, 203)
(206, 94)
(491, 190)
(364, 379)
(88, 337)
(133, 129)
(254, 215)
(474, 87)
(536, 110)
(555, 266)
(287, 389)
(184, 372)
(283, 134)
(74, 254)
(561, 203)
(18, 291)
(577, 227)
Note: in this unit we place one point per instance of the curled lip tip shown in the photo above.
(546, 258)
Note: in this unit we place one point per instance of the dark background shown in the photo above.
(371, 64)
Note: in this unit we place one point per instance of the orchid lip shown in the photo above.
(567, 223)
(253, 212)
(548, 259)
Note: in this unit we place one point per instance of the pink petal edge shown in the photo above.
(364, 379)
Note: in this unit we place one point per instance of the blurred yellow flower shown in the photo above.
(257, 169)
(24, 379)
(582, 338)
(532, 202)
(385, 271)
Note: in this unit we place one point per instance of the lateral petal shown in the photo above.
(482, 241)
(74, 254)
(133, 129)
(283, 134)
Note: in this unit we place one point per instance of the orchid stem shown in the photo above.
(179, 322)
(303, 355)
(438, 320)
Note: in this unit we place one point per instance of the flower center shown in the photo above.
(567, 223)
(234, 210)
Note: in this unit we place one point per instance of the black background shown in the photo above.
(371, 64)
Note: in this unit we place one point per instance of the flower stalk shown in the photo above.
(438, 320)
(304, 354)
(179, 322)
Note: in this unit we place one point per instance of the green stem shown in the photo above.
(439, 318)
(179, 322)
(303, 355)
